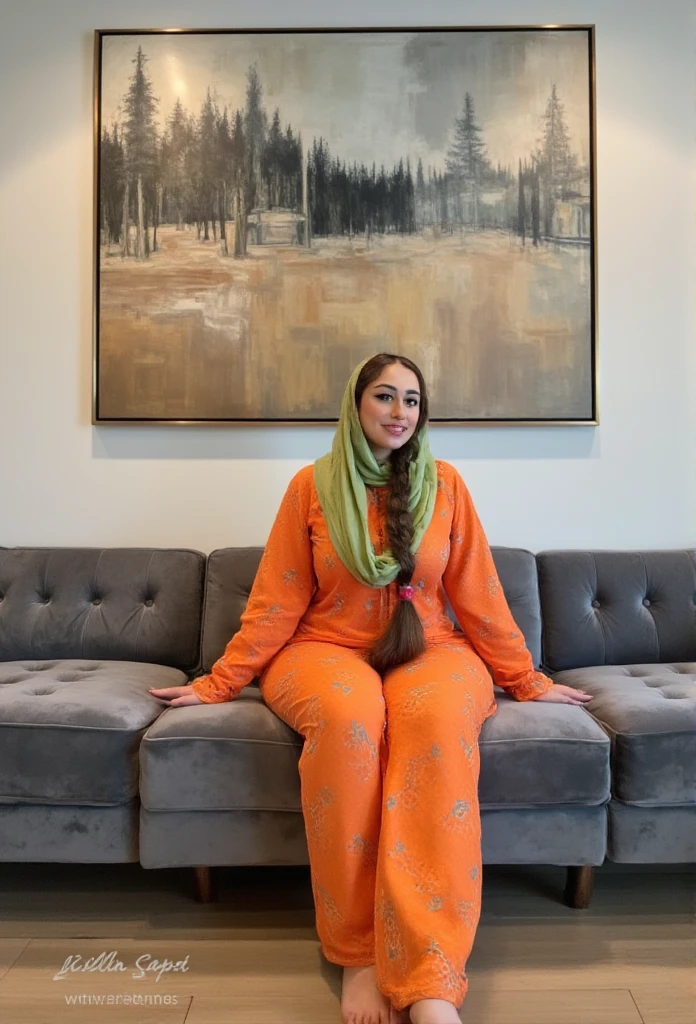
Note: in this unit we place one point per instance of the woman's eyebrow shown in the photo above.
(409, 391)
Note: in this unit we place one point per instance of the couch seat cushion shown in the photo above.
(236, 755)
(535, 754)
(240, 756)
(649, 711)
(70, 730)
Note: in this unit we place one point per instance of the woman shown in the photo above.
(347, 628)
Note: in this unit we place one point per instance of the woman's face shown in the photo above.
(389, 410)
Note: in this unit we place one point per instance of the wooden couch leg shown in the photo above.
(204, 885)
(578, 888)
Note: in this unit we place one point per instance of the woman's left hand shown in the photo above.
(559, 694)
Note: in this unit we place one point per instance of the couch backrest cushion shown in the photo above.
(119, 604)
(231, 573)
(518, 574)
(617, 607)
(229, 578)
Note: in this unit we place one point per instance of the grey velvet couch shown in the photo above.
(93, 769)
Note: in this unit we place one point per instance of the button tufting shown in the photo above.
(646, 603)
(97, 600)
(596, 604)
(149, 603)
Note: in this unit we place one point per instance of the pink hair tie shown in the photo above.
(406, 593)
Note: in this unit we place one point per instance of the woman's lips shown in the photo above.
(397, 431)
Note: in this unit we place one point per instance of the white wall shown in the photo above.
(630, 482)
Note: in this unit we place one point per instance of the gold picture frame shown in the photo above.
(272, 206)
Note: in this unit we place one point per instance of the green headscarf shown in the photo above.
(340, 478)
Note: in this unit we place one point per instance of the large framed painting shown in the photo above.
(271, 207)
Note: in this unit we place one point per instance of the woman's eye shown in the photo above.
(409, 401)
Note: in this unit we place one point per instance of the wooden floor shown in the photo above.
(253, 957)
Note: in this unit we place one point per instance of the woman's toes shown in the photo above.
(361, 1000)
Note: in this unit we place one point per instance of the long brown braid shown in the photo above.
(403, 639)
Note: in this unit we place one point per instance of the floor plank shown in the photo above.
(660, 1005)
(545, 955)
(124, 901)
(245, 1009)
(572, 1007)
(10, 950)
(33, 1010)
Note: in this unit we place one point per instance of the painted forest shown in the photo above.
(214, 168)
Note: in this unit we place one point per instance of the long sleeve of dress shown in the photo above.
(281, 593)
(476, 594)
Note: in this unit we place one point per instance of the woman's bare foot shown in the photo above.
(361, 1000)
(434, 1011)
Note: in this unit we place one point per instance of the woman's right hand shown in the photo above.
(177, 696)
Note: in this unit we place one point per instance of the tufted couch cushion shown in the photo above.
(231, 573)
(650, 713)
(70, 730)
(121, 604)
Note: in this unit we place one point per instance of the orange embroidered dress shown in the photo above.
(303, 592)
